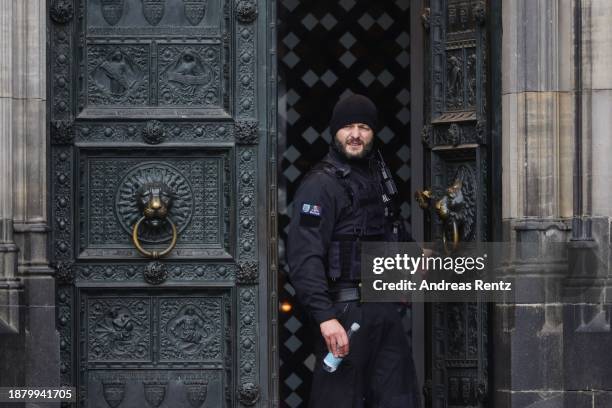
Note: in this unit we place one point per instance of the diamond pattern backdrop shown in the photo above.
(326, 50)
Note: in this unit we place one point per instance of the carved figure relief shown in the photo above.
(190, 329)
(454, 82)
(153, 10)
(118, 329)
(481, 131)
(187, 329)
(157, 182)
(454, 134)
(118, 75)
(112, 10)
(471, 74)
(195, 10)
(480, 12)
(456, 325)
(188, 76)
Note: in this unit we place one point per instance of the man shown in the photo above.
(338, 205)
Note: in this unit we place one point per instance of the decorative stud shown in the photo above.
(248, 394)
(246, 132)
(153, 132)
(62, 132)
(246, 11)
(247, 273)
(155, 273)
(61, 11)
(64, 272)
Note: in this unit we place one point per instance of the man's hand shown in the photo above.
(335, 337)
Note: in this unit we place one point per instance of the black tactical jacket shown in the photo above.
(338, 204)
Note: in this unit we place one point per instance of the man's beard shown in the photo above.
(365, 152)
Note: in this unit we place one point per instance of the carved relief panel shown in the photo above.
(196, 185)
(130, 334)
(155, 55)
(458, 58)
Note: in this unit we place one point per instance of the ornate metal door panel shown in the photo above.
(455, 137)
(160, 199)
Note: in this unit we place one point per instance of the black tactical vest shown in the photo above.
(363, 220)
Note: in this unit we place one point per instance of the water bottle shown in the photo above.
(331, 363)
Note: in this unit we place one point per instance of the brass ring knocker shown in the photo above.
(455, 238)
(153, 254)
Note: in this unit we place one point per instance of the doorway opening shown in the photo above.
(327, 50)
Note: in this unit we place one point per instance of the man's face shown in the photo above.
(355, 140)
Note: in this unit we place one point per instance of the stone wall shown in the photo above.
(556, 188)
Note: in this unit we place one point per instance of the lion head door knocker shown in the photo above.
(455, 207)
(154, 204)
(155, 201)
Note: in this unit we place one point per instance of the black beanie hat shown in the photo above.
(353, 109)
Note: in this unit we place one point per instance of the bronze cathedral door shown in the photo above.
(162, 199)
(459, 139)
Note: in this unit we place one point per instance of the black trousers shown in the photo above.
(378, 371)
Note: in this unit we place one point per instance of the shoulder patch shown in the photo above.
(311, 209)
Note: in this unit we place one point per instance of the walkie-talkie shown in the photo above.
(389, 188)
(389, 197)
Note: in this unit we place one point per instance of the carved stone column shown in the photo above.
(29, 356)
(557, 96)
(537, 132)
(9, 285)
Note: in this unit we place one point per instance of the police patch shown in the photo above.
(310, 215)
(311, 209)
